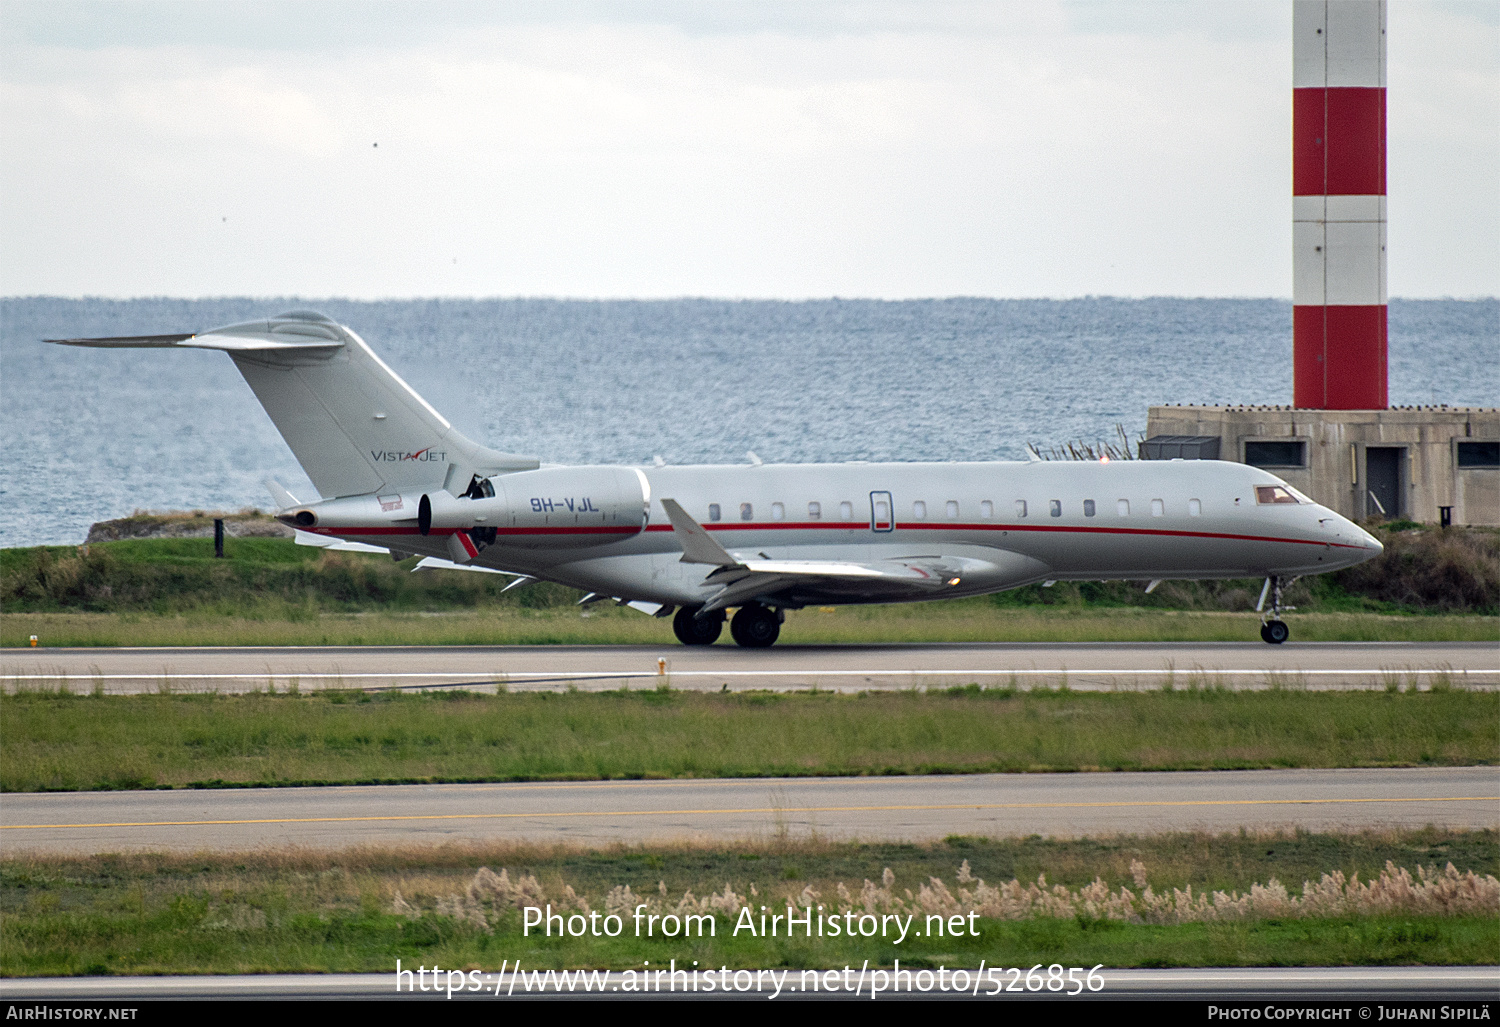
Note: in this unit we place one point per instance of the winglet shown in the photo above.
(279, 493)
(697, 545)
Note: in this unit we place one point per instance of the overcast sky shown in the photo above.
(761, 149)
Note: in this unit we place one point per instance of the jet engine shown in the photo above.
(548, 508)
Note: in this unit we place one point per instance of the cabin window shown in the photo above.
(919, 510)
(1195, 508)
(778, 512)
(1273, 494)
(814, 511)
(1088, 508)
(846, 511)
(713, 512)
(1020, 508)
(952, 509)
(986, 510)
(1054, 507)
(1157, 508)
(1122, 507)
(747, 512)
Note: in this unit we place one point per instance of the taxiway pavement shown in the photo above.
(867, 808)
(1316, 665)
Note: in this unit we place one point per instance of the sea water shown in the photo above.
(92, 434)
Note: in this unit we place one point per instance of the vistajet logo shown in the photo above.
(392, 456)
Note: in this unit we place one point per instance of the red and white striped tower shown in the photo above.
(1338, 204)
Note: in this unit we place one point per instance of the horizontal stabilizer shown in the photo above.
(355, 426)
(211, 340)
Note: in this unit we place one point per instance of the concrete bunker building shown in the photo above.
(1340, 441)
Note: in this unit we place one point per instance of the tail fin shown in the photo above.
(352, 423)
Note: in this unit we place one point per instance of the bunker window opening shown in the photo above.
(919, 510)
(747, 512)
(814, 511)
(951, 508)
(1478, 454)
(1054, 507)
(1273, 494)
(1122, 507)
(1088, 508)
(714, 513)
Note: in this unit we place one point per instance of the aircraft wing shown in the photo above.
(742, 579)
(307, 538)
(436, 563)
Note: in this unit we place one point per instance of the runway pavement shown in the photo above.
(1316, 665)
(868, 808)
(1363, 987)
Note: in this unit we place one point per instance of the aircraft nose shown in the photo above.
(1346, 532)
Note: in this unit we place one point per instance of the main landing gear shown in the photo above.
(1272, 628)
(694, 630)
(754, 627)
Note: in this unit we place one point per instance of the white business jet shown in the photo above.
(393, 475)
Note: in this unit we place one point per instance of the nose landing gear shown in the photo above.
(1272, 628)
(1275, 631)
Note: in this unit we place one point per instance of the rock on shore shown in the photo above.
(188, 524)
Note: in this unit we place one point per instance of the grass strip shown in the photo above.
(1423, 570)
(959, 621)
(63, 741)
(308, 910)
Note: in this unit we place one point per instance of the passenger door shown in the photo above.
(882, 512)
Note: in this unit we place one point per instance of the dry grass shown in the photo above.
(360, 909)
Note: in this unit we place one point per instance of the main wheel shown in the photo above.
(693, 630)
(755, 627)
(1275, 632)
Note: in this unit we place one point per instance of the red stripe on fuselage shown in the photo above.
(863, 526)
(452, 531)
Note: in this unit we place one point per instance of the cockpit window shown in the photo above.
(1273, 494)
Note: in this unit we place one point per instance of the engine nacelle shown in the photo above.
(551, 507)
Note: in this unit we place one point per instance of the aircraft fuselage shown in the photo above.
(994, 525)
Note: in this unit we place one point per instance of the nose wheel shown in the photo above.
(1272, 628)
